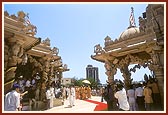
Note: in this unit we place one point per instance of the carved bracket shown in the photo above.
(98, 49)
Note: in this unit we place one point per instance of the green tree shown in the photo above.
(93, 84)
(78, 82)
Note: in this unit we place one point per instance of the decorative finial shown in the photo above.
(132, 19)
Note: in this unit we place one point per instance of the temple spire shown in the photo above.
(132, 19)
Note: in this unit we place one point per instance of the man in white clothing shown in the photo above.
(140, 97)
(48, 97)
(74, 95)
(12, 99)
(122, 98)
(71, 95)
(131, 98)
(52, 96)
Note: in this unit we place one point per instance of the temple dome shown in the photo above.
(129, 33)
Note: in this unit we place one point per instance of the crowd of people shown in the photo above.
(138, 97)
(37, 91)
(32, 90)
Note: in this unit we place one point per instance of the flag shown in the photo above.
(27, 21)
(132, 19)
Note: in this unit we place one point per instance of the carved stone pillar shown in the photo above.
(160, 77)
(126, 75)
(36, 65)
(12, 57)
(59, 78)
(157, 66)
(110, 72)
(46, 66)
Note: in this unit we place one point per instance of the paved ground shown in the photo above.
(81, 106)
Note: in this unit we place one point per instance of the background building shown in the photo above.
(92, 72)
(66, 81)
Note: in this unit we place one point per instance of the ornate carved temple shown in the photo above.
(26, 55)
(142, 46)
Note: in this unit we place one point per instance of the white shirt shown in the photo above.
(12, 101)
(33, 81)
(52, 92)
(48, 94)
(131, 95)
(122, 99)
(28, 83)
(71, 92)
(138, 92)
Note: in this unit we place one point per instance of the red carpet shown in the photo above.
(99, 107)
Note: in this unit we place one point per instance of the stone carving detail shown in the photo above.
(23, 19)
(148, 16)
(134, 68)
(40, 65)
(24, 59)
(155, 58)
(30, 29)
(153, 67)
(107, 39)
(142, 24)
(44, 76)
(46, 42)
(98, 49)
(55, 51)
(37, 66)
(6, 13)
(110, 69)
(155, 18)
(21, 16)
(65, 66)
(15, 53)
(6, 55)
(12, 56)
(16, 49)
(129, 58)
(13, 17)
(46, 65)
(123, 66)
(52, 68)
(58, 63)
(126, 75)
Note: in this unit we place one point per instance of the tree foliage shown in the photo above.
(78, 82)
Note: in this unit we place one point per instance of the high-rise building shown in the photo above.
(92, 72)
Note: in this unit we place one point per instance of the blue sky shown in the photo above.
(75, 28)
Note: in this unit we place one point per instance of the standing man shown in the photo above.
(71, 95)
(48, 96)
(12, 99)
(131, 98)
(148, 97)
(74, 95)
(140, 97)
(52, 96)
(122, 98)
(155, 94)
